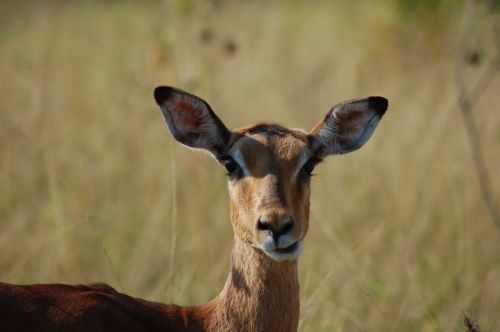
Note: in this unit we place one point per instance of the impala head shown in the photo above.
(269, 167)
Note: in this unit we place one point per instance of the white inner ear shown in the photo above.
(207, 125)
(327, 134)
(367, 130)
(360, 130)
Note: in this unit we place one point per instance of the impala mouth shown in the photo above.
(284, 254)
(288, 249)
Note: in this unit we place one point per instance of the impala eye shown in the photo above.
(231, 166)
(308, 167)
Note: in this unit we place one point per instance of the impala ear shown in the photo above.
(191, 120)
(348, 125)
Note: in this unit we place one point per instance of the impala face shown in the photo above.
(269, 170)
(269, 166)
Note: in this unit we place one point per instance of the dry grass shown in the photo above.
(94, 189)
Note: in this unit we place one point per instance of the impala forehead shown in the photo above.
(263, 150)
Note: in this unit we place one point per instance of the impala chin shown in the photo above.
(283, 253)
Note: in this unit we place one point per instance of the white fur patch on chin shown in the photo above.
(281, 257)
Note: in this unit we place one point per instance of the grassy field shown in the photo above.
(93, 188)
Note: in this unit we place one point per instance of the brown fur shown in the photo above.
(88, 308)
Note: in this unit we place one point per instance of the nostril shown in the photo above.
(286, 227)
(264, 226)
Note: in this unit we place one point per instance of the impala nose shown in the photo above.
(275, 226)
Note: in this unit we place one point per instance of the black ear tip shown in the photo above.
(378, 104)
(162, 93)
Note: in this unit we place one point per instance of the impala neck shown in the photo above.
(259, 294)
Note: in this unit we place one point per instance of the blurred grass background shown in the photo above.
(93, 188)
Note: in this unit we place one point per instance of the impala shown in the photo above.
(269, 169)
